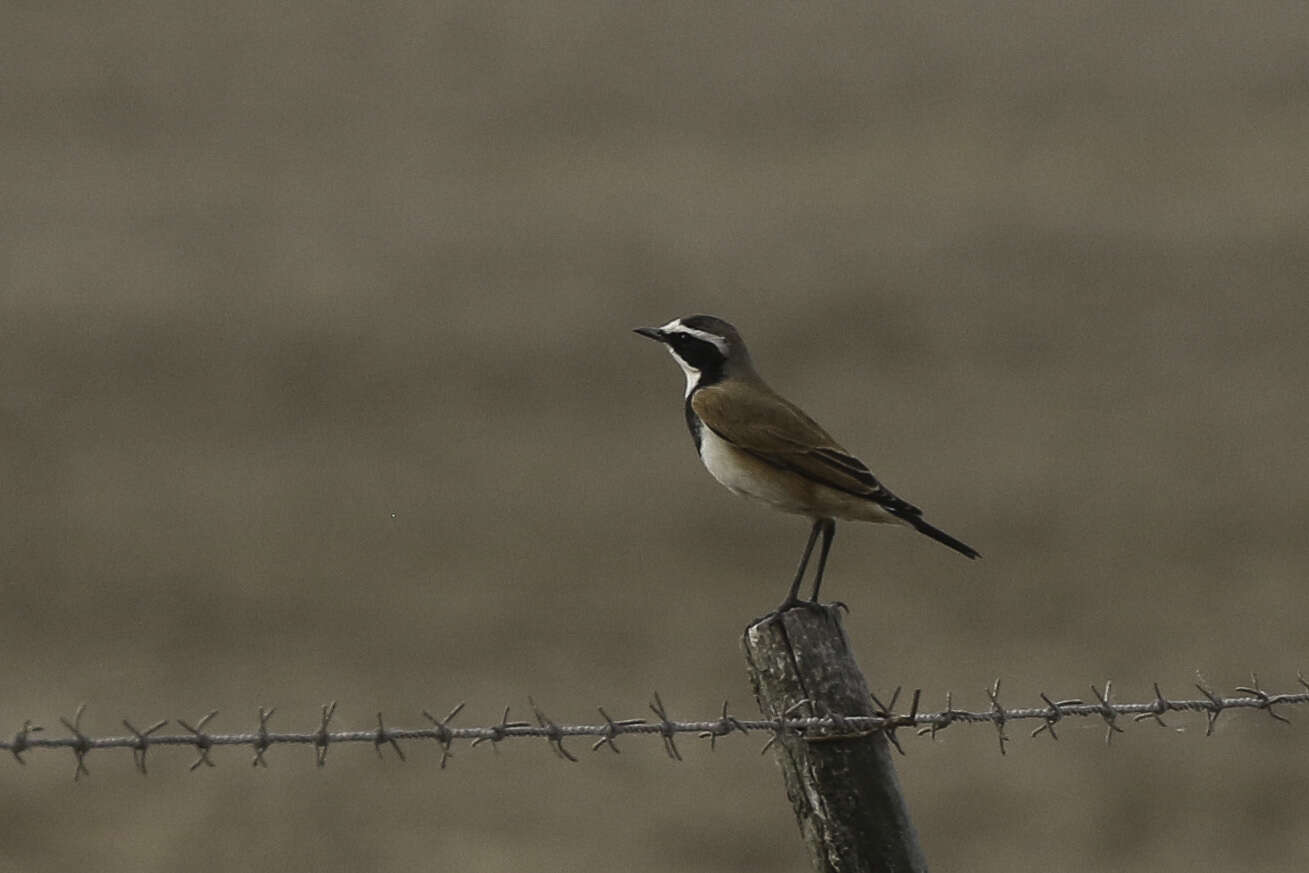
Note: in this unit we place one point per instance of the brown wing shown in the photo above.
(777, 432)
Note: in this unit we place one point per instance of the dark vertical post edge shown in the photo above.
(843, 790)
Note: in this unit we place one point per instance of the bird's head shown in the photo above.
(707, 349)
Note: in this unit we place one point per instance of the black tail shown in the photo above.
(941, 536)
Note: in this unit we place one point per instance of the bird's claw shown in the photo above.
(796, 603)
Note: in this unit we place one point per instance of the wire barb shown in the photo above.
(724, 726)
(1159, 708)
(889, 720)
(781, 723)
(19, 745)
(612, 729)
(261, 741)
(83, 744)
(443, 734)
(203, 742)
(941, 720)
(999, 716)
(1267, 700)
(383, 736)
(667, 728)
(497, 732)
(322, 737)
(142, 742)
(554, 735)
(1107, 712)
(1214, 709)
(1056, 713)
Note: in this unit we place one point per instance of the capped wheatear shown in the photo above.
(760, 445)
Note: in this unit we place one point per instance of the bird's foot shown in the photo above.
(796, 603)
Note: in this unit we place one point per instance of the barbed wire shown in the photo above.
(813, 726)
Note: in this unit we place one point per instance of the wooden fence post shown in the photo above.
(843, 790)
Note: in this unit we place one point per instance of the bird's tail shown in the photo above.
(940, 536)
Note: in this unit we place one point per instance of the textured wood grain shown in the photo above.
(844, 790)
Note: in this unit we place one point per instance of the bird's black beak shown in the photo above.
(653, 332)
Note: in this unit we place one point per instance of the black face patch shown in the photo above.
(700, 354)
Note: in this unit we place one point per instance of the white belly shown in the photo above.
(744, 474)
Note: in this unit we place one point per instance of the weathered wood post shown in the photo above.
(843, 790)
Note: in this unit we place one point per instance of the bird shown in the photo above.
(760, 445)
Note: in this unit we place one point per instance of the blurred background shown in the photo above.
(317, 383)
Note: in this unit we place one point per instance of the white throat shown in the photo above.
(692, 374)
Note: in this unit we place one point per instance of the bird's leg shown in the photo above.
(792, 600)
(829, 531)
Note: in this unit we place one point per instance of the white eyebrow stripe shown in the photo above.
(676, 326)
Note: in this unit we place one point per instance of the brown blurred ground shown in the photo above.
(316, 383)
